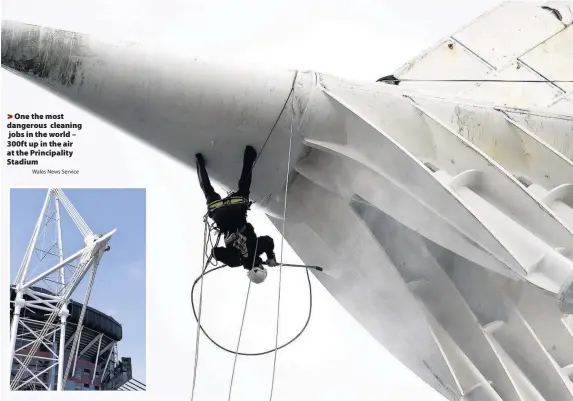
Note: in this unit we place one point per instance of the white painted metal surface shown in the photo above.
(455, 198)
(511, 42)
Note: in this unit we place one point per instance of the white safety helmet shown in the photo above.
(257, 274)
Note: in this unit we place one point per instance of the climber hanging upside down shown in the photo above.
(242, 246)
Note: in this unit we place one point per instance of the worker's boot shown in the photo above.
(204, 181)
(199, 159)
(249, 158)
(250, 154)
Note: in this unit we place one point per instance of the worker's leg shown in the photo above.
(204, 182)
(228, 256)
(249, 158)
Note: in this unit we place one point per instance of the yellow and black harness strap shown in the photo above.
(233, 200)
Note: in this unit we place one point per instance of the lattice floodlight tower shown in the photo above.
(45, 289)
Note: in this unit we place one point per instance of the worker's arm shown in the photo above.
(230, 257)
(267, 246)
(264, 244)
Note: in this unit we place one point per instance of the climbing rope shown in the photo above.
(239, 340)
(282, 247)
(206, 334)
(525, 81)
(206, 232)
(236, 351)
(208, 240)
(291, 93)
(242, 322)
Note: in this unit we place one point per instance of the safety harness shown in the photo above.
(228, 201)
(235, 239)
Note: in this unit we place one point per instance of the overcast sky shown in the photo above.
(335, 359)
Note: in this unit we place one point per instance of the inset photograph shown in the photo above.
(78, 292)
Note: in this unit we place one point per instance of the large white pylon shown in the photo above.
(43, 292)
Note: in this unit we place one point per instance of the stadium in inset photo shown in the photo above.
(77, 299)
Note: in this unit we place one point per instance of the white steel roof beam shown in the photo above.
(515, 147)
(357, 138)
(498, 184)
(536, 38)
(76, 217)
(23, 271)
(526, 389)
(391, 119)
(503, 323)
(371, 287)
(520, 342)
(462, 367)
(538, 311)
(341, 174)
(553, 58)
(555, 130)
(439, 295)
(90, 344)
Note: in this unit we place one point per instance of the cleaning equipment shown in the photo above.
(207, 271)
(318, 268)
(207, 262)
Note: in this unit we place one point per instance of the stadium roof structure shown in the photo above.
(46, 324)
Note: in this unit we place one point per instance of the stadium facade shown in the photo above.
(97, 365)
